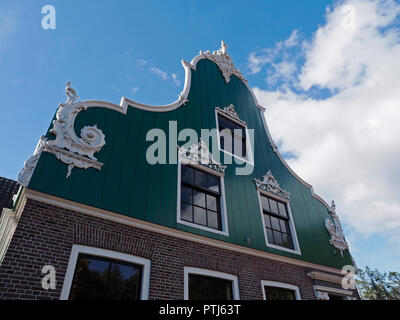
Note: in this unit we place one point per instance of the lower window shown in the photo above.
(202, 284)
(98, 278)
(273, 290)
(209, 288)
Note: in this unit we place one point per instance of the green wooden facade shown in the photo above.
(128, 185)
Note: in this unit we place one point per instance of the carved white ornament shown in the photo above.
(68, 147)
(231, 112)
(26, 172)
(269, 184)
(321, 295)
(199, 154)
(224, 62)
(335, 229)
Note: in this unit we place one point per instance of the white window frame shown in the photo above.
(276, 284)
(293, 233)
(77, 249)
(224, 217)
(212, 274)
(249, 149)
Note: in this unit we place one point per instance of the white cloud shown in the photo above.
(175, 79)
(346, 144)
(163, 75)
(134, 90)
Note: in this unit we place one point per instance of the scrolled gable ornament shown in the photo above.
(68, 147)
(334, 228)
(224, 62)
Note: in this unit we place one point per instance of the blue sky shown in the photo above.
(110, 49)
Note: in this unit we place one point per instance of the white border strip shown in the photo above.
(77, 249)
(118, 218)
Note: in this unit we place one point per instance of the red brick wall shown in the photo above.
(45, 235)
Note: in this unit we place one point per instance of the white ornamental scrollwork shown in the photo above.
(224, 62)
(26, 172)
(268, 183)
(68, 147)
(335, 230)
(199, 154)
(231, 112)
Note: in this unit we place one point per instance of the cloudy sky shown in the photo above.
(328, 73)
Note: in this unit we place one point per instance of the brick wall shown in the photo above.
(8, 188)
(45, 235)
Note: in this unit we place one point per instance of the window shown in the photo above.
(232, 137)
(209, 288)
(200, 198)
(202, 284)
(276, 222)
(273, 290)
(98, 274)
(98, 278)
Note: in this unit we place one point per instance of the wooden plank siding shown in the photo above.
(128, 185)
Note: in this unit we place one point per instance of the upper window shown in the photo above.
(232, 137)
(233, 134)
(276, 222)
(200, 198)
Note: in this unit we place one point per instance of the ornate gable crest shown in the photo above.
(26, 172)
(68, 147)
(200, 154)
(231, 112)
(224, 62)
(269, 184)
(335, 229)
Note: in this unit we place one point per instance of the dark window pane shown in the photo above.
(282, 209)
(226, 140)
(199, 198)
(186, 212)
(200, 178)
(99, 278)
(275, 223)
(270, 236)
(267, 221)
(187, 174)
(186, 194)
(278, 238)
(211, 203)
(283, 226)
(213, 183)
(287, 241)
(213, 219)
(200, 216)
(273, 293)
(265, 203)
(209, 288)
(274, 206)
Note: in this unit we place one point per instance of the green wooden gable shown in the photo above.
(127, 184)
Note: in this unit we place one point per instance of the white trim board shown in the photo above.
(265, 283)
(118, 218)
(213, 274)
(77, 249)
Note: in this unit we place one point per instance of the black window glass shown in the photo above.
(232, 137)
(98, 278)
(209, 288)
(276, 222)
(274, 293)
(200, 199)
